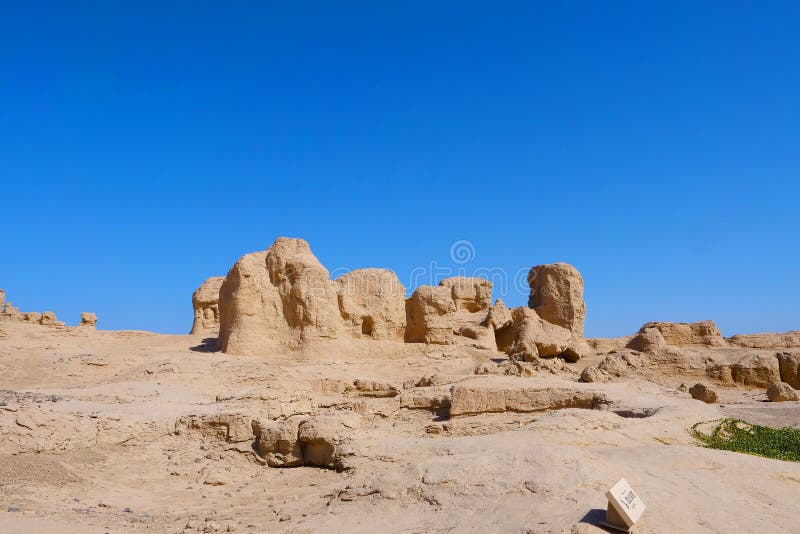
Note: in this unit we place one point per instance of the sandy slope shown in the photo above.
(89, 444)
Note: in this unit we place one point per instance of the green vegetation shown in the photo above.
(738, 436)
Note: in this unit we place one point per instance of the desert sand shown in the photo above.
(304, 404)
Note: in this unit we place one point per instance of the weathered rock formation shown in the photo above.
(309, 298)
(48, 319)
(374, 388)
(536, 338)
(499, 316)
(552, 324)
(464, 314)
(703, 333)
(725, 366)
(205, 302)
(749, 369)
(616, 365)
(11, 313)
(426, 398)
(469, 294)
(454, 312)
(787, 340)
(781, 392)
(789, 368)
(608, 344)
(704, 392)
(514, 397)
(557, 295)
(321, 441)
(32, 317)
(230, 427)
(654, 336)
(277, 442)
(88, 320)
(324, 439)
(429, 314)
(648, 340)
(283, 296)
(372, 303)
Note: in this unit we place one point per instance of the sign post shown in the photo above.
(624, 507)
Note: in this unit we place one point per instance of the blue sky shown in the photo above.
(147, 145)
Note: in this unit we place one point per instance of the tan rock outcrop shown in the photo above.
(277, 442)
(283, 295)
(88, 320)
(309, 297)
(429, 313)
(229, 427)
(615, 365)
(480, 398)
(32, 317)
(781, 392)
(557, 295)
(499, 316)
(372, 303)
(48, 318)
(469, 294)
(607, 344)
(426, 398)
(752, 370)
(648, 340)
(324, 439)
(703, 392)
(11, 313)
(552, 324)
(789, 368)
(686, 334)
(436, 380)
(725, 366)
(454, 312)
(375, 388)
(250, 308)
(205, 302)
(2, 299)
(786, 340)
(536, 337)
(321, 440)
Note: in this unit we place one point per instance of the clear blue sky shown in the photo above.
(655, 145)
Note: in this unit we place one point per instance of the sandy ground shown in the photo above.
(93, 441)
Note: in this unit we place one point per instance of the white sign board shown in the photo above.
(627, 505)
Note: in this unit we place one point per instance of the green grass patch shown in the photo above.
(738, 436)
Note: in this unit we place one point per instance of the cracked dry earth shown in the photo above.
(132, 432)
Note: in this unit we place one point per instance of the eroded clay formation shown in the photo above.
(699, 350)
(206, 310)
(284, 296)
(10, 312)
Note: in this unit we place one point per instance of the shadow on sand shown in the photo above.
(209, 344)
(594, 517)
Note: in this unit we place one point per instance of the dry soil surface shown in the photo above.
(95, 439)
